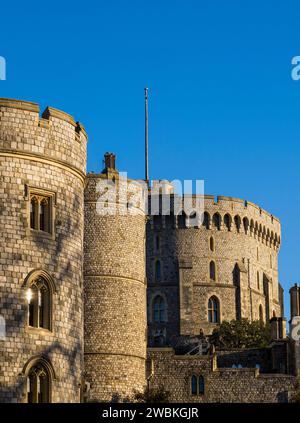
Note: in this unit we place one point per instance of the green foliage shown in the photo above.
(241, 334)
(151, 395)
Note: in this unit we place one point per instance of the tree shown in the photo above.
(241, 334)
(152, 395)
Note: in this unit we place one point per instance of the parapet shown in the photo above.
(53, 137)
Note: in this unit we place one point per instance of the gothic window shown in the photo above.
(205, 222)
(197, 385)
(201, 385)
(194, 385)
(213, 310)
(237, 222)
(38, 384)
(211, 244)
(246, 224)
(212, 270)
(261, 314)
(217, 221)
(227, 221)
(157, 271)
(41, 215)
(39, 303)
(159, 310)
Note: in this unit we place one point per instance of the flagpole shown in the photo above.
(146, 138)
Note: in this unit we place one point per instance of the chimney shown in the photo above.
(295, 300)
(110, 161)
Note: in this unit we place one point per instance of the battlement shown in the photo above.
(53, 136)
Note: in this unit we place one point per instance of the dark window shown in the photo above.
(38, 385)
(211, 244)
(197, 385)
(217, 221)
(212, 270)
(40, 212)
(213, 310)
(194, 385)
(205, 222)
(39, 304)
(159, 310)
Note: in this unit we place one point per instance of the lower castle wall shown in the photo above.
(221, 385)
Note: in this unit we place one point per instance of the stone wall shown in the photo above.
(48, 154)
(174, 372)
(241, 252)
(115, 291)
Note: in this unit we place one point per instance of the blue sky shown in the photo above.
(223, 105)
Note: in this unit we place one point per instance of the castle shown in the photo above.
(96, 306)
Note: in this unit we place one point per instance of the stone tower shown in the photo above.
(295, 328)
(42, 168)
(114, 285)
(203, 271)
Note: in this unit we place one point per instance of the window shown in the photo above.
(227, 221)
(257, 278)
(159, 310)
(246, 224)
(39, 303)
(206, 219)
(212, 270)
(197, 385)
(41, 215)
(211, 244)
(217, 221)
(38, 384)
(213, 310)
(194, 385)
(157, 271)
(237, 222)
(261, 314)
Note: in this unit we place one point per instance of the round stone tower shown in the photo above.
(201, 273)
(42, 168)
(114, 285)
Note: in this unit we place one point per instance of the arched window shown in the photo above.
(211, 244)
(261, 314)
(194, 385)
(213, 310)
(39, 298)
(159, 310)
(157, 271)
(38, 384)
(257, 278)
(41, 211)
(197, 385)
(227, 221)
(201, 385)
(205, 222)
(212, 270)
(274, 313)
(217, 221)
(237, 222)
(33, 213)
(246, 224)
